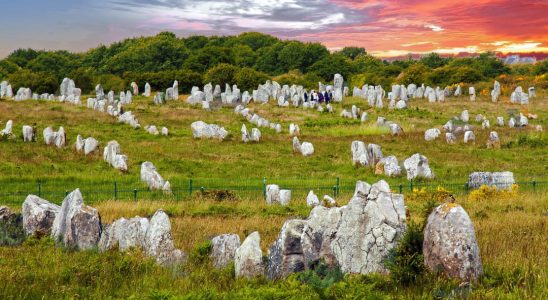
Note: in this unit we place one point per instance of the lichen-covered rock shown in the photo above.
(286, 255)
(450, 244)
(431, 134)
(493, 141)
(501, 180)
(223, 249)
(318, 234)
(158, 242)
(201, 129)
(76, 225)
(312, 200)
(469, 136)
(450, 138)
(112, 155)
(388, 166)
(152, 178)
(38, 215)
(369, 229)
(248, 259)
(28, 134)
(272, 194)
(417, 166)
(359, 153)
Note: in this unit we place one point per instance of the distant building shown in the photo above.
(516, 59)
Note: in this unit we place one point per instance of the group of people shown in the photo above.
(325, 96)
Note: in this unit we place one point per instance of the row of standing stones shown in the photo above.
(356, 237)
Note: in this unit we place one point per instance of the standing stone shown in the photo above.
(38, 215)
(224, 249)
(472, 93)
(500, 121)
(113, 155)
(152, 178)
(469, 137)
(450, 138)
(338, 82)
(147, 90)
(464, 116)
(272, 194)
(500, 180)
(450, 244)
(359, 153)
(158, 241)
(135, 88)
(28, 134)
(431, 134)
(312, 200)
(286, 255)
(388, 166)
(370, 227)
(248, 260)
(417, 166)
(76, 225)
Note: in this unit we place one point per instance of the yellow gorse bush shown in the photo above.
(488, 193)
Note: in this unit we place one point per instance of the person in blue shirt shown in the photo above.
(320, 97)
(305, 97)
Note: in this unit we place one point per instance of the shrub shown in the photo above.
(111, 83)
(220, 74)
(37, 82)
(321, 276)
(487, 193)
(406, 261)
(248, 79)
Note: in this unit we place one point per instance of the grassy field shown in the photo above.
(514, 255)
(511, 227)
(179, 157)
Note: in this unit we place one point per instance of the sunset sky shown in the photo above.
(384, 28)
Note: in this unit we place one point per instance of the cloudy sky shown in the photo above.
(384, 28)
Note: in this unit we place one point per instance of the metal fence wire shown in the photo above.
(14, 192)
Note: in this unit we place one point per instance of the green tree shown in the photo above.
(367, 63)
(313, 52)
(256, 40)
(244, 56)
(417, 73)
(83, 79)
(330, 65)
(352, 52)
(58, 63)
(433, 60)
(466, 75)
(541, 67)
(22, 57)
(248, 79)
(292, 56)
(220, 74)
(38, 82)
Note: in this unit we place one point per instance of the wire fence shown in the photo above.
(14, 192)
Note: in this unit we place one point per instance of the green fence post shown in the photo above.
(264, 187)
(411, 185)
(401, 188)
(135, 194)
(66, 193)
(338, 187)
(202, 189)
(190, 187)
(39, 188)
(115, 190)
(534, 185)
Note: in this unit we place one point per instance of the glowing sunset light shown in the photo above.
(383, 28)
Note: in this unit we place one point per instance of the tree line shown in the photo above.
(247, 60)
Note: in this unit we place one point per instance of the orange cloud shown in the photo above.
(399, 27)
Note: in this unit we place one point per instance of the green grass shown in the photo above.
(511, 232)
